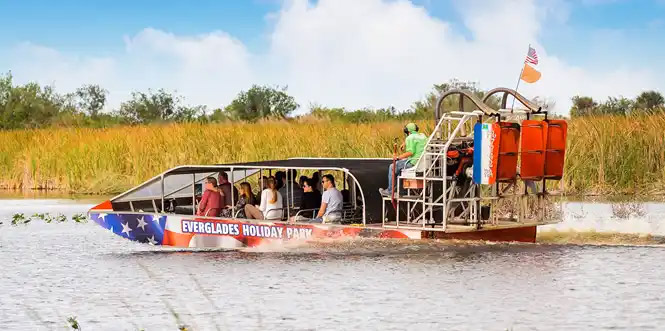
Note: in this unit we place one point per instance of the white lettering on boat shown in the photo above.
(247, 230)
(207, 227)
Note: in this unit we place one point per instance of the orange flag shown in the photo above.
(529, 74)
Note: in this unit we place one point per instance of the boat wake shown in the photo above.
(591, 237)
(369, 246)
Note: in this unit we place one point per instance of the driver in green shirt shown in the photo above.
(415, 146)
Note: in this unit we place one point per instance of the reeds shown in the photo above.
(616, 154)
(114, 159)
(606, 154)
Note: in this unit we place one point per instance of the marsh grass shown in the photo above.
(616, 154)
(605, 155)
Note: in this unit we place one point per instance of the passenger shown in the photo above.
(285, 189)
(226, 188)
(211, 201)
(280, 176)
(264, 182)
(301, 181)
(311, 198)
(246, 197)
(415, 146)
(271, 204)
(331, 202)
(294, 174)
(296, 187)
(317, 180)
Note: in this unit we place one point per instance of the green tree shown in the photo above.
(156, 106)
(649, 100)
(424, 109)
(29, 105)
(91, 99)
(582, 106)
(616, 106)
(261, 102)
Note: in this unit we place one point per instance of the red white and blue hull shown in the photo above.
(202, 232)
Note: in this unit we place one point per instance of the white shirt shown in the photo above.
(266, 206)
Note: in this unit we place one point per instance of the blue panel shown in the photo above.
(477, 152)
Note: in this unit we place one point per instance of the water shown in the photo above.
(54, 271)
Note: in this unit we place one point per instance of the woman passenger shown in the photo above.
(211, 201)
(271, 204)
(246, 197)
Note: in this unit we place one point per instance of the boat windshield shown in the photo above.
(178, 185)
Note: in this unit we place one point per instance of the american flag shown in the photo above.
(531, 56)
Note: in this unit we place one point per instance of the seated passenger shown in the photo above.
(280, 177)
(285, 187)
(246, 197)
(331, 202)
(211, 201)
(271, 204)
(227, 189)
(301, 181)
(311, 198)
(415, 146)
(317, 181)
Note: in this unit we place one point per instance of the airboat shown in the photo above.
(486, 174)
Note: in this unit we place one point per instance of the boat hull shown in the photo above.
(201, 232)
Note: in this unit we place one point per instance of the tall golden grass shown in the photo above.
(616, 154)
(606, 154)
(114, 159)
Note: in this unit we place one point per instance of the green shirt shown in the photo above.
(415, 143)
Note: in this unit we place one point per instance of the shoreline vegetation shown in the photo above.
(606, 155)
(65, 142)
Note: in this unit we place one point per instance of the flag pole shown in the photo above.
(518, 82)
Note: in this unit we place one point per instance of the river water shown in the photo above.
(54, 271)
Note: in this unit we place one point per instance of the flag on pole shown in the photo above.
(531, 56)
(529, 74)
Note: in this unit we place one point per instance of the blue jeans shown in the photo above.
(399, 166)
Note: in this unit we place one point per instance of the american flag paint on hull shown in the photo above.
(201, 232)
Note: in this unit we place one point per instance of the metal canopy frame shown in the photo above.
(247, 167)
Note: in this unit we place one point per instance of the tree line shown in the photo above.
(34, 106)
(646, 102)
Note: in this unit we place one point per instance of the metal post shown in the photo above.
(288, 209)
(518, 82)
(162, 181)
(233, 186)
(193, 194)
(287, 190)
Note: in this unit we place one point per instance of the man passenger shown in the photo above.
(415, 146)
(331, 202)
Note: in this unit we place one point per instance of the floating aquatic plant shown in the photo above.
(73, 323)
(20, 218)
(79, 218)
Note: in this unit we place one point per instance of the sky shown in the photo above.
(336, 53)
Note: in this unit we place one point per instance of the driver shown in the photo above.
(415, 146)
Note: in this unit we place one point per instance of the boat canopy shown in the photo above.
(367, 174)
